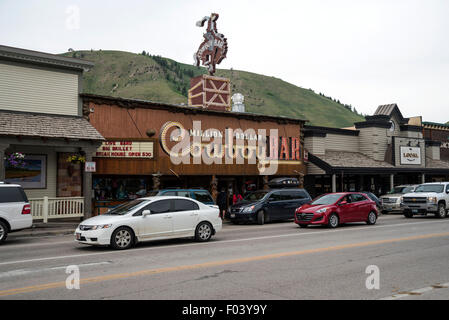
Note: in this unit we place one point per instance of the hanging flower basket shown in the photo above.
(15, 160)
(75, 159)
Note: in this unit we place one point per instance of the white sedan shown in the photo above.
(152, 218)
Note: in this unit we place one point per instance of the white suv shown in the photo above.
(15, 210)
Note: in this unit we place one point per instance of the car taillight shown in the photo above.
(26, 209)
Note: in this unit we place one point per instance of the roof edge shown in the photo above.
(43, 58)
(136, 103)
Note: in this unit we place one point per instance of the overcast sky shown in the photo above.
(364, 53)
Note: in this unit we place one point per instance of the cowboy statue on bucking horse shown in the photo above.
(215, 46)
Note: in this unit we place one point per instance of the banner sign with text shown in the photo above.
(126, 149)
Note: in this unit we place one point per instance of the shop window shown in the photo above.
(121, 189)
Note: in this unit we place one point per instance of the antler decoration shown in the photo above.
(214, 47)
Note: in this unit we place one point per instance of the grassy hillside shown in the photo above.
(147, 77)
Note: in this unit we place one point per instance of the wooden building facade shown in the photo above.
(135, 157)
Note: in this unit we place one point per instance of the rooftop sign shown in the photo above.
(214, 47)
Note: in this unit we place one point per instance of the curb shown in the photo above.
(35, 233)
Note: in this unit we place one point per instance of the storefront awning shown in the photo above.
(355, 162)
(39, 125)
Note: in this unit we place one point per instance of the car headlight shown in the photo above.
(432, 199)
(322, 210)
(248, 209)
(102, 226)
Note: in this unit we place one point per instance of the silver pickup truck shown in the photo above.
(427, 198)
(391, 202)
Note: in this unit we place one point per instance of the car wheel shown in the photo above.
(203, 232)
(261, 217)
(3, 231)
(408, 214)
(122, 238)
(441, 211)
(334, 221)
(372, 218)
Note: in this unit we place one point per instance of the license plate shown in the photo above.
(414, 211)
(78, 236)
(233, 215)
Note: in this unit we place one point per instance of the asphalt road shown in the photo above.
(273, 261)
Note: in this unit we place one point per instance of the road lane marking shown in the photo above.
(296, 234)
(210, 264)
(417, 292)
(23, 272)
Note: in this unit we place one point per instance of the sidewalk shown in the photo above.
(48, 229)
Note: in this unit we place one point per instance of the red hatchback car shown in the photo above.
(333, 209)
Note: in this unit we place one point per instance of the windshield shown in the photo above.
(438, 188)
(125, 208)
(256, 196)
(401, 190)
(326, 199)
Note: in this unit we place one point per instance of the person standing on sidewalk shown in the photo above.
(221, 202)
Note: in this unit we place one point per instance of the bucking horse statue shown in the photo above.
(214, 47)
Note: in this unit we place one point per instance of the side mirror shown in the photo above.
(343, 203)
(146, 213)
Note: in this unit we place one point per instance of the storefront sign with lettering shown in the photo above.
(244, 142)
(410, 155)
(126, 149)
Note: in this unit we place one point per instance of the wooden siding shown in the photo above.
(374, 142)
(115, 122)
(315, 145)
(313, 169)
(342, 142)
(433, 152)
(37, 90)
